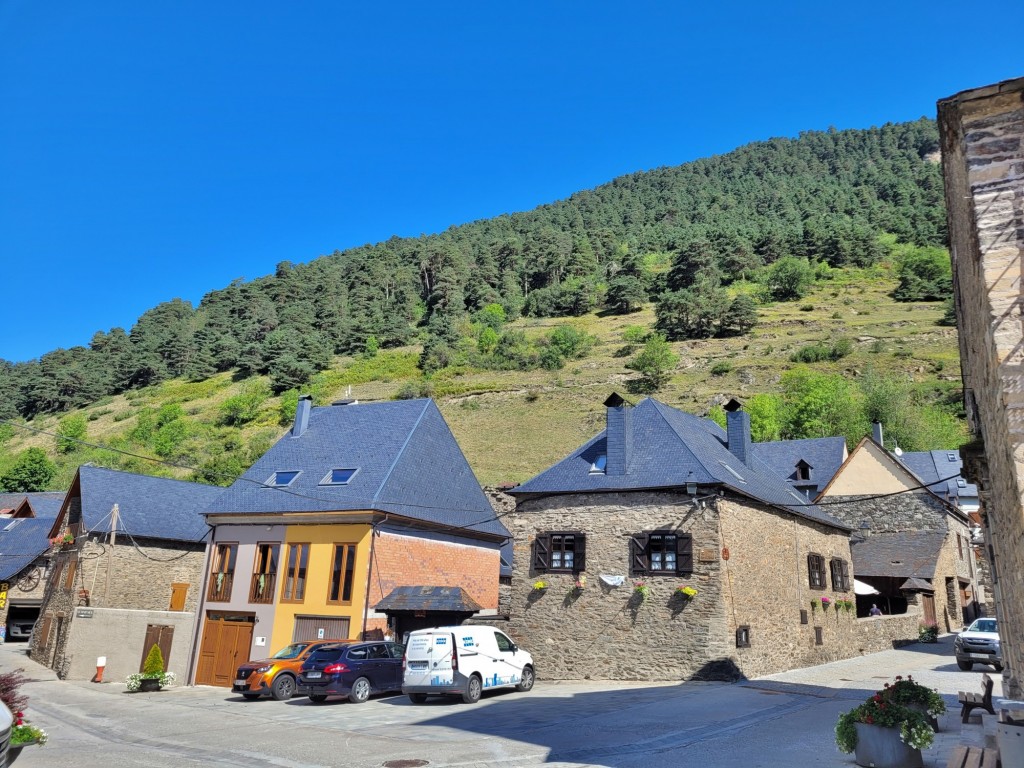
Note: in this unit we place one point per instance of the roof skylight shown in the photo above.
(282, 479)
(338, 477)
(599, 465)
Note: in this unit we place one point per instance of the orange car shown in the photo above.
(276, 676)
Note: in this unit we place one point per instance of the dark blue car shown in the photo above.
(355, 670)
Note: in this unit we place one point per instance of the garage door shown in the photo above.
(320, 627)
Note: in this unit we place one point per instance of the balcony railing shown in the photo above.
(220, 587)
(262, 588)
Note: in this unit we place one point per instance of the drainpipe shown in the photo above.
(369, 573)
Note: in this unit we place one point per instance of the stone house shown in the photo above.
(982, 140)
(25, 522)
(362, 520)
(124, 573)
(661, 499)
(912, 547)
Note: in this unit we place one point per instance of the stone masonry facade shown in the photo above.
(982, 136)
(750, 569)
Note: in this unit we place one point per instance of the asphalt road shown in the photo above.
(782, 720)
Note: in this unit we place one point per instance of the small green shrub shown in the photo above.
(154, 663)
(806, 307)
(721, 368)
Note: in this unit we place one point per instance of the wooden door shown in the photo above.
(225, 645)
(160, 635)
(928, 606)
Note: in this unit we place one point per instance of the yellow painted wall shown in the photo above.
(870, 470)
(322, 539)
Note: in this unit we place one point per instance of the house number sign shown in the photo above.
(84, 613)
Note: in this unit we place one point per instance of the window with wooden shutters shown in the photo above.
(840, 574)
(560, 552)
(660, 552)
(816, 571)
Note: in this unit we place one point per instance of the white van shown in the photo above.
(463, 661)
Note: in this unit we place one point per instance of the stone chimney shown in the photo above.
(876, 432)
(302, 415)
(737, 430)
(618, 436)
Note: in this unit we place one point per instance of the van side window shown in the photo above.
(504, 644)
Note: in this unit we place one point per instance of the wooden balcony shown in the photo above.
(220, 587)
(262, 588)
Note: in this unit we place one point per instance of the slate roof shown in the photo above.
(825, 456)
(151, 507)
(428, 599)
(669, 449)
(43, 503)
(940, 470)
(408, 463)
(906, 555)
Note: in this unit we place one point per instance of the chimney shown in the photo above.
(737, 431)
(302, 415)
(618, 436)
(876, 432)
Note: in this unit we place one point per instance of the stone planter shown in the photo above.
(1010, 739)
(148, 684)
(879, 747)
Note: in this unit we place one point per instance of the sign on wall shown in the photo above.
(4, 587)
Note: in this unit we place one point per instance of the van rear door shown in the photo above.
(428, 659)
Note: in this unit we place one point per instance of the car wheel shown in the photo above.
(251, 696)
(966, 666)
(997, 667)
(318, 698)
(417, 698)
(360, 691)
(526, 680)
(473, 690)
(283, 688)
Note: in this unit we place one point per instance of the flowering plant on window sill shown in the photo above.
(64, 539)
(640, 588)
(540, 585)
(686, 592)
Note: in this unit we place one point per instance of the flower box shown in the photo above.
(882, 747)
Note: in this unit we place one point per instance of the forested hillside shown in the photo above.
(824, 198)
(806, 276)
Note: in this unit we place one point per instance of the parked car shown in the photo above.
(356, 670)
(275, 677)
(6, 726)
(20, 629)
(463, 661)
(979, 644)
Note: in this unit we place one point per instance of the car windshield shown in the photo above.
(984, 625)
(292, 651)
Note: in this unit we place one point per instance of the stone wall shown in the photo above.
(606, 632)
(892, 514)
(982, 136)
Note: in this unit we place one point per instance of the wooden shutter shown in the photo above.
(638, 562)
(542, 553)
(684, 553)
(845, 568)
(837, 575)
(580, 550)
(44, 631)
(160, 635)
(69, 575)
(178, 594)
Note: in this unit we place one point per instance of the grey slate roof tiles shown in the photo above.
(905, 555)
(428, 599)
(408, 462)
(823, 454)
(940, 470)
(669, 449)
(150, 507)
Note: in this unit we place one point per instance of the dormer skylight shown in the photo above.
(803, 470)
(599, 465)
(338, 477)
(282, 479)
(13, 523)
(961, 483)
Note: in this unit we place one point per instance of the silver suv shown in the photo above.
(979, 644)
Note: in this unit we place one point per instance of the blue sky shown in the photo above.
(153, 150)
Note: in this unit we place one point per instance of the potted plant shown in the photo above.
(909, 693)
(884, 733)
(928, 633)
(641, 590)
(849, 605)
(825, 603)
(23, 735)
(814, 605)
(152, 677)
(580, 584)
(540, 585)
(686, 592)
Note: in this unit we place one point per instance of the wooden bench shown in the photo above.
(972, 701)
(973, 757)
